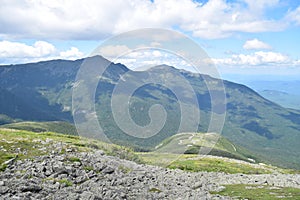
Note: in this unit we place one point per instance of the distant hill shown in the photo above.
(43, 92)
(287, 86)
(284, 99)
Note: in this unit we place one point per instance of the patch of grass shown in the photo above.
(3, 167)
(4, 156)
(74, 159)
(53, 126)
(155, 190)
(124, 169)
(20, 147)
(88, 168)
(194, 163)
(26, 145)
(61, 181)
(159, 159)
(288, 171)
(216, 165)
(259, 192)
(79, 144)
(124, 153)
(65, 181)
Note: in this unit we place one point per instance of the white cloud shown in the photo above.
(72, 53)
(17, 52)
(117, 53)
(220, 19)
(155, 44)
(259, 58)
(256, 44)
(255, 5)
(294, 16)
(113, 51)
(145, 58)
(96, 19)
(157, 54)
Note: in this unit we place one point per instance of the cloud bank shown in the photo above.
(256, 44)
(16, 52)
(259, 58)
(97, 19)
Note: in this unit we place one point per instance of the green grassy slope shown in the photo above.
(21, 144)
(203, 143)
(54, 126)
(258, 192)
(4, 119)
(185, 151)
(196, 163)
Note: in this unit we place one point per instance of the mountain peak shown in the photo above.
(165, 67)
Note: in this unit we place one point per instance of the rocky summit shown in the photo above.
(95, 175)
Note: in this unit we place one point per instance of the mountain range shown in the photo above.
(43, 92)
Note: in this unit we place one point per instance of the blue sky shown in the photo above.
(243, 37)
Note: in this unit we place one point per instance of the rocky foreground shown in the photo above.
(94, 175)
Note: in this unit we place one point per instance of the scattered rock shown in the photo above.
(98, 176)
(108, 170)
(80, 179)
(30, 188)
(3, 190)
(2, 183)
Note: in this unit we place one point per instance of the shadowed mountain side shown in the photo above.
(43, 91)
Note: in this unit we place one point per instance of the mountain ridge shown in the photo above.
(252, 121)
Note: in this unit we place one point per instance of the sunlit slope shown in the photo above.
(52, 126)
(204, 144)
(43, 92)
